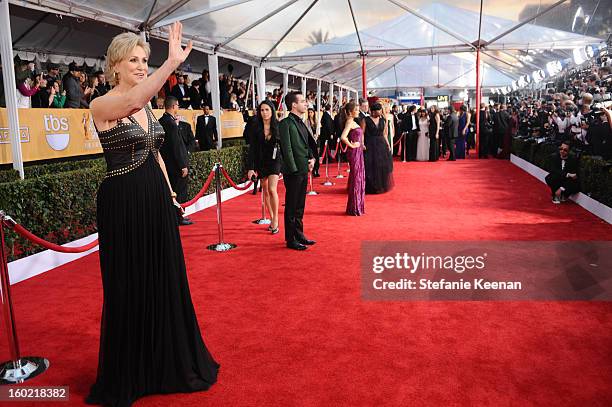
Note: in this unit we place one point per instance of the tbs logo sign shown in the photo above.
(57, 132)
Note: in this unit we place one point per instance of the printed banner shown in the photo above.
(50, 133)
(57, 133)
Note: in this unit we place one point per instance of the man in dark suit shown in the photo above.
(181, 92)
(328, 131)
(187, 137)
(364, 107)
(453, 131)
(563, 174)
(195, 100)
(401, 117)
(501, 125)
(103, 86)
(498, 125)
(297, 162)
(410, 125)
(206, 130)
(396, 126)
(338, 127)
(485, 131)
(327, 126)
(174, 153)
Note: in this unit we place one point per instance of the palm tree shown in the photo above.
(318, 37)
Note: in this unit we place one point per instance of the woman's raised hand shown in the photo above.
(175, 50)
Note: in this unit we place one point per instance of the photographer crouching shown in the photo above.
(563, 174)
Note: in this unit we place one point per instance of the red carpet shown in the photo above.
(290, 329)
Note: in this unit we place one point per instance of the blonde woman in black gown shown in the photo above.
(150, 341)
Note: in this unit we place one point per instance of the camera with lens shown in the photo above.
(594, 116)
(561, 113)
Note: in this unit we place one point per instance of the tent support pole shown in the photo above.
(10, 87)
(478, 89)
(213, 67)
(478, 98)
(261, 84)
(364, 81)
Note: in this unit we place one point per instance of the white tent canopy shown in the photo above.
(326, 38)
(430, 62)
(449, 71)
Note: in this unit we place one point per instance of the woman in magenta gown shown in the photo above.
(352, 136)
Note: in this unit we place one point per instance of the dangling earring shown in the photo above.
(115, 78)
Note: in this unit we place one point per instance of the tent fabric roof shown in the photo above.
(325, 38)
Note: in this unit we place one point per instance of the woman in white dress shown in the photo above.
(423, 140)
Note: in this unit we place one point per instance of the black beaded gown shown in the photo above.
(150, 341)
(378, 159)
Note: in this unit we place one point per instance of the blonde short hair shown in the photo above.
(119, 49)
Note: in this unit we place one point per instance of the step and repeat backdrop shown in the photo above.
(57, 133)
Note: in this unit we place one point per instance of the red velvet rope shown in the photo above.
(202, 191)
(333, 155)
(399, 150)
(399, 140)
(323, 155)
(345, 148)
(233, 184)
(23, 232)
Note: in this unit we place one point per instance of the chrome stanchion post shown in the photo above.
(327, 182)
(404, 147)
(312, 191)
(221, 246)
(18, 369)
(339, 155)
(263, 220)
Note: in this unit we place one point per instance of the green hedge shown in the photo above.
(61, 207)
(9, 175)
(38, 170)
(233, 142)
(595, 174)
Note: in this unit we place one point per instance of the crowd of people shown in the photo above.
(573, 115)
(196, 94)
(573, 110)
(49, 89)
(410, 132)
(45, 87)
(576, 110)
(363, 130)
(372, 133)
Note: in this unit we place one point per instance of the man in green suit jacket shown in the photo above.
(297, 162)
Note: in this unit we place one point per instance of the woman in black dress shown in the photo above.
(150, 341)
(265, 157)
(434, 133)
(378, 158)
